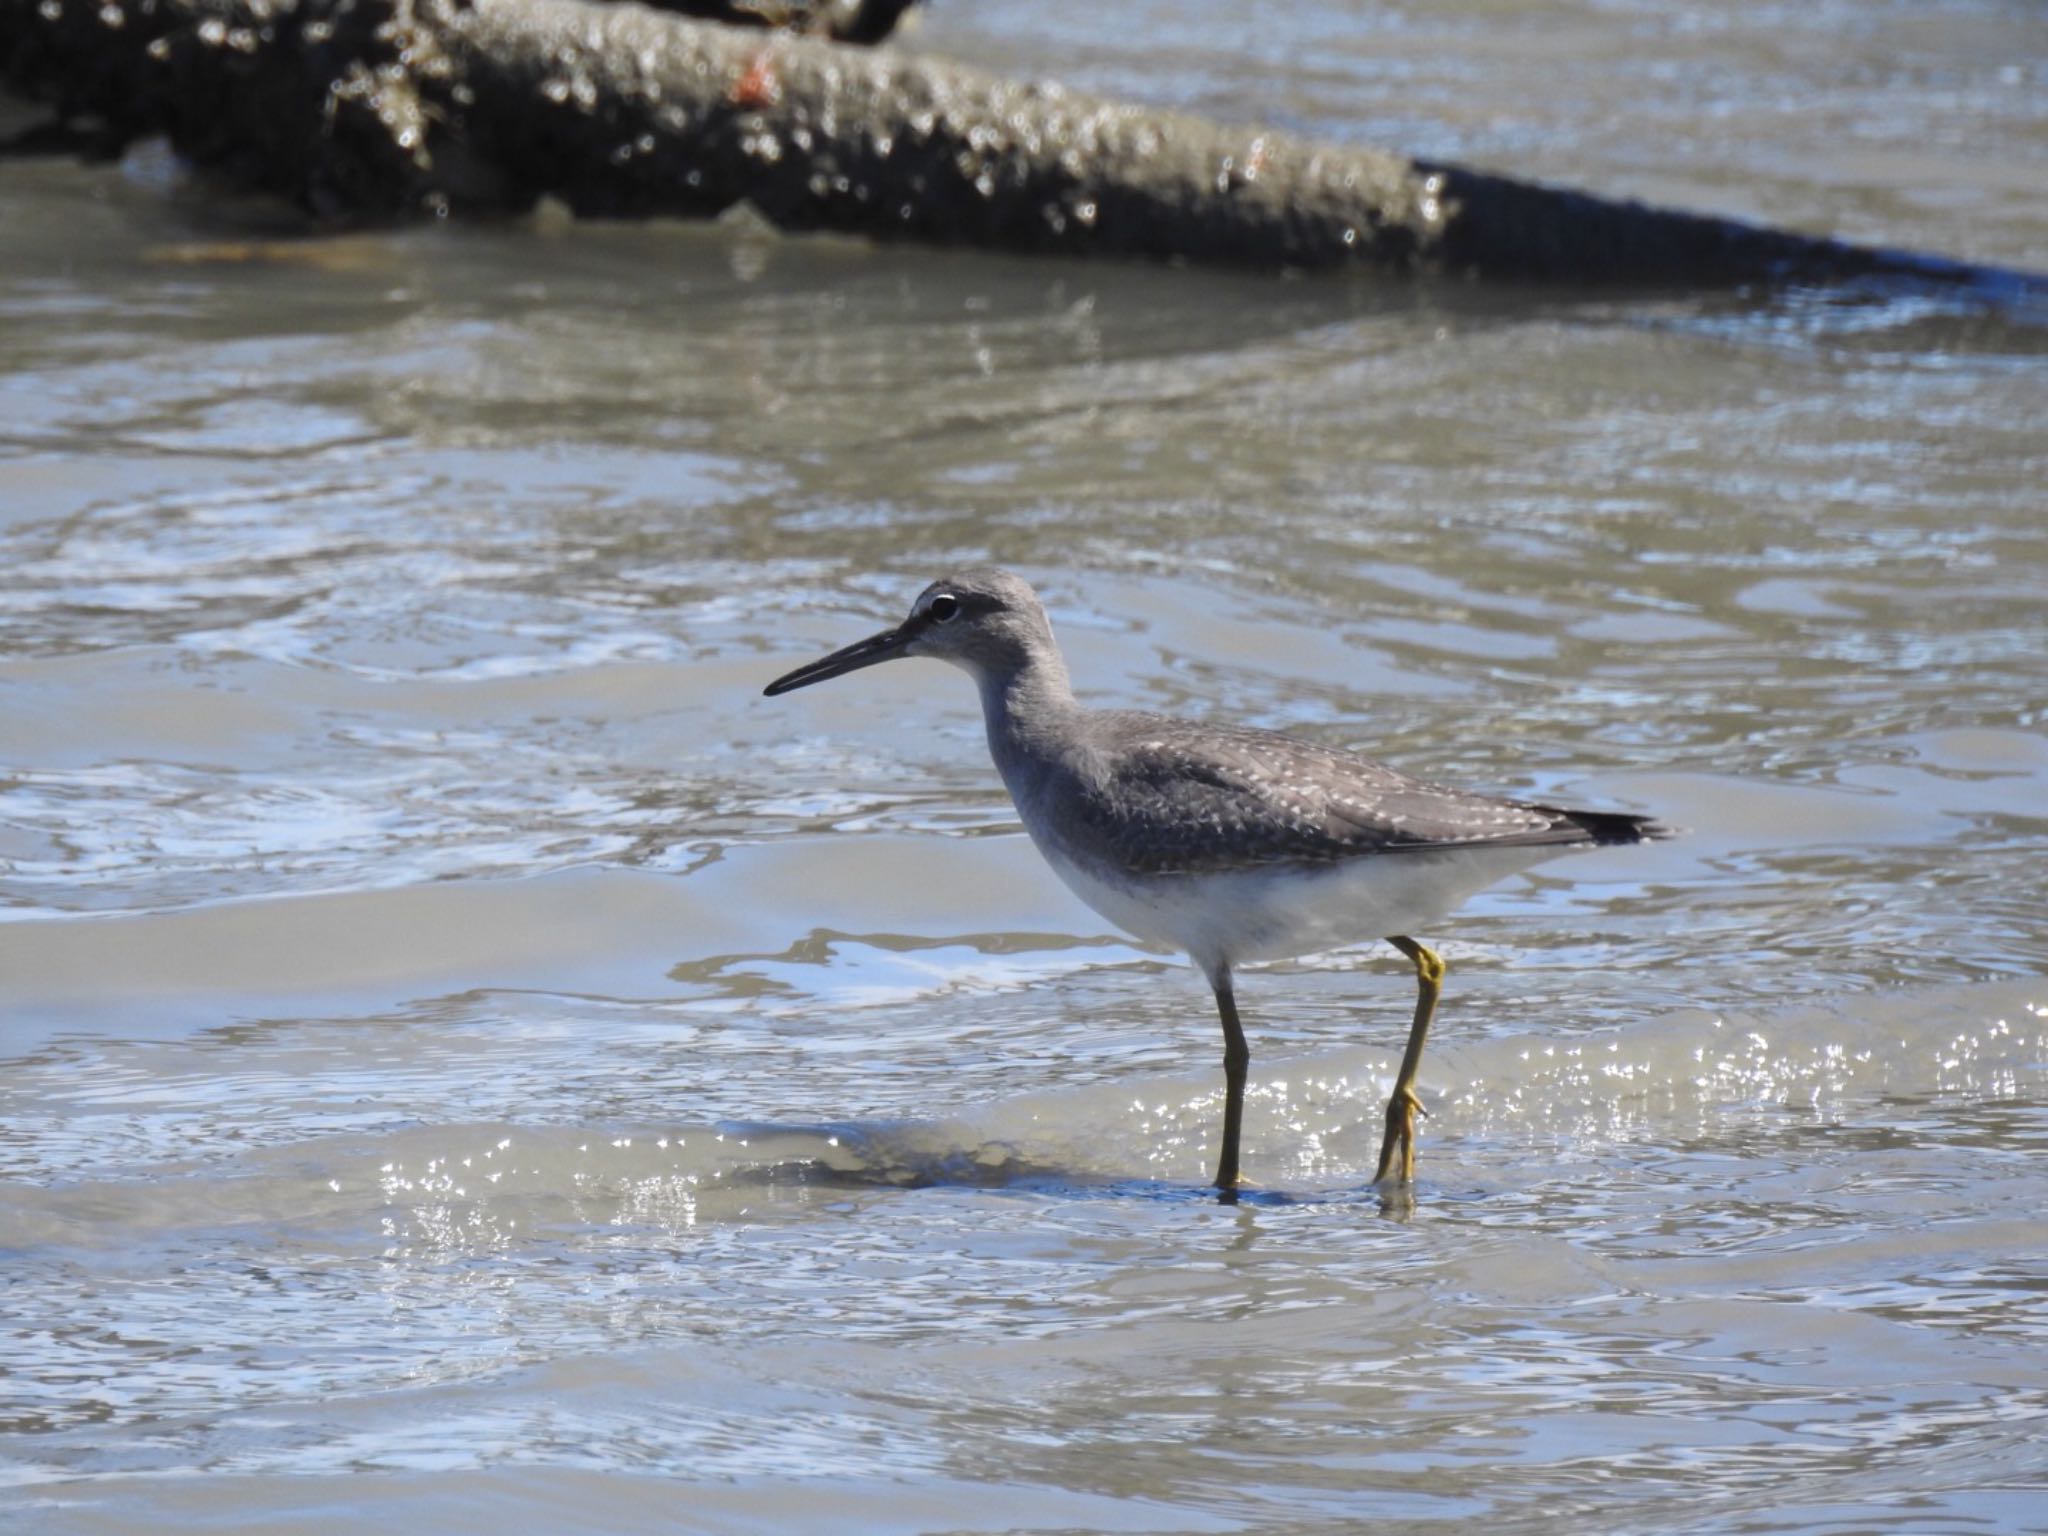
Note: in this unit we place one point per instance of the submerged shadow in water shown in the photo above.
(915, 1157)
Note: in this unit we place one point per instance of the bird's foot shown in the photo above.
(1227, 1190)
(1397, 1147)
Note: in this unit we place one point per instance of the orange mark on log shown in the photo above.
(758, 87)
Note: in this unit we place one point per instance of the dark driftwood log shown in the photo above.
(390, 108)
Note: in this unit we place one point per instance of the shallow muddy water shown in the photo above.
(455, 1033)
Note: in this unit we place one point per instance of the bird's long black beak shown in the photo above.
(886, 646)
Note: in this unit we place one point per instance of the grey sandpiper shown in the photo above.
(1226, 843)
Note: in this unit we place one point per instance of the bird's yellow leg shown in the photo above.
(1403, 1107)
(1237, 1060)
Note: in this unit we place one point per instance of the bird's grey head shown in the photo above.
(984, 620)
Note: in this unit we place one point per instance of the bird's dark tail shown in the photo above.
(1610, 827)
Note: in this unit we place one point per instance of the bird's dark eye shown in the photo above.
(944, 608)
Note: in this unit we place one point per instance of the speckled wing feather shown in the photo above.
(1177, 797)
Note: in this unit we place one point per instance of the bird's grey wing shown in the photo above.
(1172, 798)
